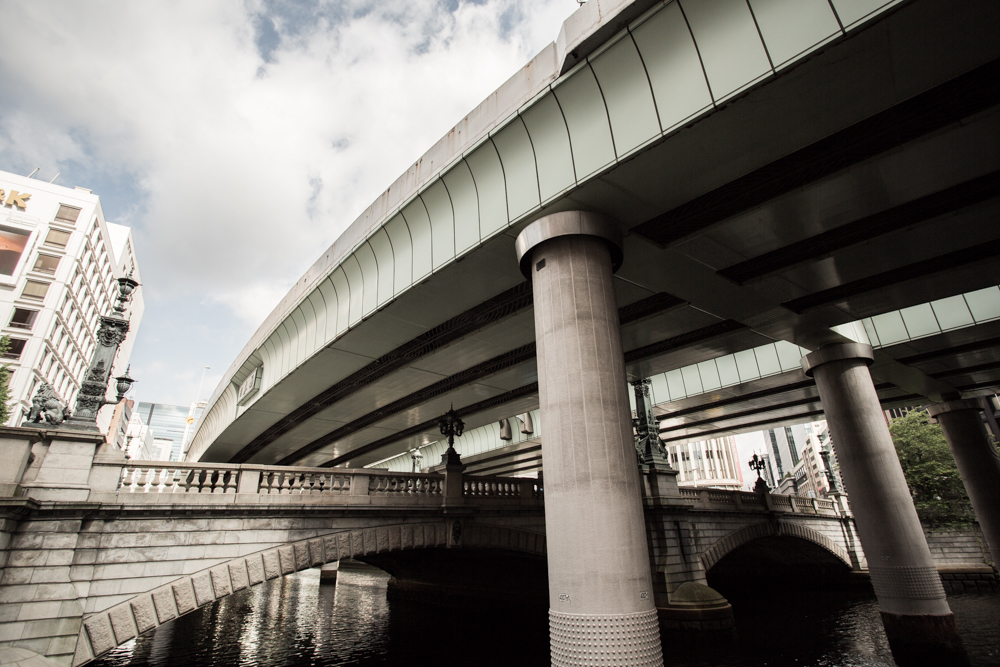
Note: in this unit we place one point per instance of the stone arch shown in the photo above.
(105, 630)
(739, 537)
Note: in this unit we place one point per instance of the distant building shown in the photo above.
(139, 445)
(162, 449)
(194, 414)
(59, 259)
(784, 445)
(712, 463)
(809, 476)
(168, 423)
(117, 435)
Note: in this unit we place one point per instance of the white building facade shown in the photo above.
(59, 260)
(712, 463)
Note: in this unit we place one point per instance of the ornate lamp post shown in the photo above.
(758, 464)
(452, 426)
(831, 479)
(651, 454)
(110, 335)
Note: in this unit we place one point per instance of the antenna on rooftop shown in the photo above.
(55, 177)
(33, 173)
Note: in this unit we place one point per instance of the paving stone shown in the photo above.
(83, 653)
(255, 569)
(357, 543)
(316, 555)
(406, 537)
(238, 575)
(163, 601)
(272, 566)
(203, 593)
(184, 596)
(301, 553)
(99, 632)
(220, 581)
(286, 555)
(122, 623)
(330, 548)
(344, 545)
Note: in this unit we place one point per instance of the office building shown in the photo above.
(712, 463)
(59, 261)
(172, 426)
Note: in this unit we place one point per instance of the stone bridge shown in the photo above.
(96, 550)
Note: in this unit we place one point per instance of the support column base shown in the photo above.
(697, 611)
(606, 639)
(328, 573)
(922, 640)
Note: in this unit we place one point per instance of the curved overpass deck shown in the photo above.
(764, 163)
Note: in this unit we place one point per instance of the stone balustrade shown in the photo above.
(501, 488)
(744, 501)
(154, 482)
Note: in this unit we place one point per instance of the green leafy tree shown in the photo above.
(930, 470)
(5, 374)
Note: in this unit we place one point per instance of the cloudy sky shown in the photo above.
(238, 138)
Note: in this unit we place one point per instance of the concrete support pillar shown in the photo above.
(918, 622)
(328, 573)
(978, 463)
(601, 606)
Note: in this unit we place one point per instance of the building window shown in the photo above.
(15, 349)
(46, 264)
(58, 238)
(67, 213)
(34, 289)
(23, 318)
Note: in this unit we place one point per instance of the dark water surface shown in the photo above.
(295, 621)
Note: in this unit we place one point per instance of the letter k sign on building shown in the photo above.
(15, 198)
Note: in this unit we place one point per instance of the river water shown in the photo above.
(295, 621)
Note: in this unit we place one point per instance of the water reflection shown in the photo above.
(295, 621)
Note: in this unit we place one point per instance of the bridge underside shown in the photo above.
(859, 182)
(780, 562)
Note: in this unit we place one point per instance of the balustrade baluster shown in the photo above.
(286, 484)
(231, 482)
(218, 484)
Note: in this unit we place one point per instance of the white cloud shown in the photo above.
(237, 170)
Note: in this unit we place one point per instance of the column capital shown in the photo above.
(837, 352)
(953, 406)
(568, 223)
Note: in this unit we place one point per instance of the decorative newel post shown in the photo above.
(110, 335)
(651, 454)
(828, 471)
(451, 425)
(758, 464)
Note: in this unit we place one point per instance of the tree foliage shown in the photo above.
(5, 374)
(930, 470)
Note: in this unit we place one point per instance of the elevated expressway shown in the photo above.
(777, 169)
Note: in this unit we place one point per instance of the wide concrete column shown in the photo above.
(601, 608)
(978, 463)
(918, 622)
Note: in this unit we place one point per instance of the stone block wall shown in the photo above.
(961, 546)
